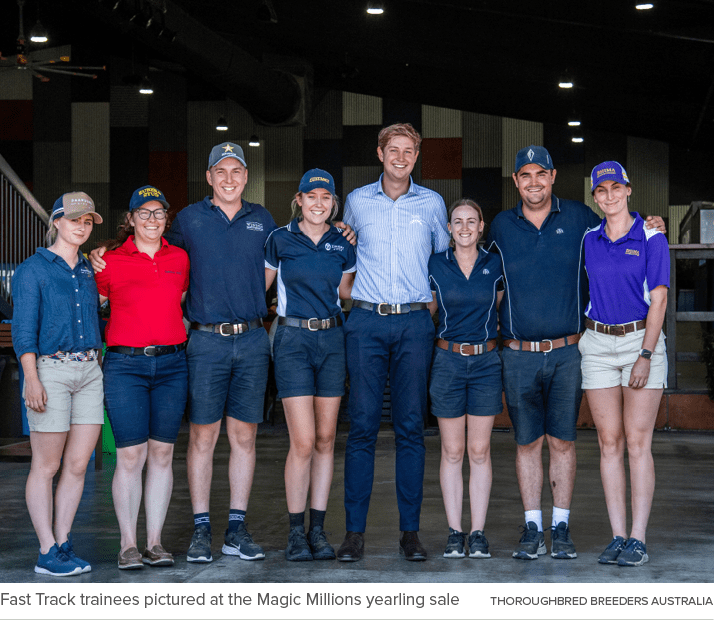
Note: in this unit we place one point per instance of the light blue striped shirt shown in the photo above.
(394, 242)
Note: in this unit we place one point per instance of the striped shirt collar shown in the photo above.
(378, 189)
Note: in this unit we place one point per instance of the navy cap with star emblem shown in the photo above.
(535, 154)
(226, 150)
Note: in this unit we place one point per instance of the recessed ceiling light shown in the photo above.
(574, 123)
(254, 142)
(577, 139)
(645, 6)
(222, 124)
(146, 88)
(565, 84)
(375, 8)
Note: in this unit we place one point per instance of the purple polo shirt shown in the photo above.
(622, 273)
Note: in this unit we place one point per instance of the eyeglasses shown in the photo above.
(145, 213)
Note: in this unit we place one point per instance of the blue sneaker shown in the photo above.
(562, 546)
(612, 551)
(67, 549)
(532, 543)
(240, 543)
(634, 553)
(56, 562)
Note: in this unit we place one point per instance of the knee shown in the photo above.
(161, 455)
(243, 440)
(202, 441)
(479, 454)
(132, 458)
(558, 446)
(452, 453)
(45, 470)
(531, 449)
(638, 449)
(325, 444)
(302, 447)
(611, 446)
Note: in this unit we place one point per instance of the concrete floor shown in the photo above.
(680, 536)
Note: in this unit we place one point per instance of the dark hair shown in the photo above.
(125, 230)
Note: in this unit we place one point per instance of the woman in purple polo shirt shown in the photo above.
(315, 267)
(624, 361)
(465, 387)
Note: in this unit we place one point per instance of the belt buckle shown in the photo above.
(547, 351)
(220, 328)
(152, 352)
(461, 348)
(384, 314)
(621, 327)
(309, 326)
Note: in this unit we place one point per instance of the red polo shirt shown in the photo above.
(145, 295)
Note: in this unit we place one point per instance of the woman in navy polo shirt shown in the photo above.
(624, 361)
(315, 267)
(55, 333)
(465, 386)
(145, 371)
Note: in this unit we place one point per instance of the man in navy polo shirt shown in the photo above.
(390, 332)
(541, 317)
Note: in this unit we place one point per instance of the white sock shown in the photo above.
(560, 515)
(536, 516)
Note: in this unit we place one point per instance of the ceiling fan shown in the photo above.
(24, 59)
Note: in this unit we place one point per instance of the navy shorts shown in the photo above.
(309, 363)
(543, 392)
(465, 384)
(145, 396)
(227, 374)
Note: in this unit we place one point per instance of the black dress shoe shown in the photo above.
(411, 547)
(352, 547)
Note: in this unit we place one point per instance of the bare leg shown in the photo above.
(606, 408)
(199, 460)
(323, 459)
(453, 445)
(301, 427)
(529, 470)
(126, 491)
(46, 455)
(479, 450)
(159, 484)
(81, 441)
(561, 471)
(241, 464)
(640, 413)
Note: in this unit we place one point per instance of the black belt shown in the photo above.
(312, 324)
(389, 309)
(228, 329)
(151, 350)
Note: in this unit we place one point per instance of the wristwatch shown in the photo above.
(646, 353)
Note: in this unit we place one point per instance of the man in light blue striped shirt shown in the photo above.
(390, 332)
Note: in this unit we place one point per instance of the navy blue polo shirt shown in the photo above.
(309, 275)
(622, 273)
(467, 306)
(546, 283)
(227, 276)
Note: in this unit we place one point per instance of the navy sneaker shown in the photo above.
(634, 553)
(455, 544)
(532, 543)
(319, 545)
(561, 546)
(200, 549)
(478, 545)
(240, 543)
(66, 548)
(298, 549)
(612, 551)
(56, 562)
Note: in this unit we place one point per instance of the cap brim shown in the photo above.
(240, 160)
(97, 217)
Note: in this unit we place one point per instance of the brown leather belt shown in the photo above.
(389, 309)
(228, 329)
(467, 349)
(619, 329)
(312, 324)
(547, 345)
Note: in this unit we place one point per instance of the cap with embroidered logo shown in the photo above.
(73, 205)
(608, 170)
(317, 179)
(226, 150)
(145, 194)
(533, 154)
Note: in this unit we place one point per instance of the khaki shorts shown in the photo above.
(75, 395)
(607, 360)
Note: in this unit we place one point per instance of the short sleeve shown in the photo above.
(272, 254)
(186, 270)
(657, 271)
(349, 266)
(103, 278)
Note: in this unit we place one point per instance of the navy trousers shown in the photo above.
(401, 346)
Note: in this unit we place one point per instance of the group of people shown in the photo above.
(401, 257)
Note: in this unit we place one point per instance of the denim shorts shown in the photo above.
(227, 375)
(145, 396)
(465, 384)
(543, 392)
(309, 363)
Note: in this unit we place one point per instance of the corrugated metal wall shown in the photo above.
(90, 142)
(676, 214)
(440, 122)
(648, 170)
(361, 110)
(483, 140)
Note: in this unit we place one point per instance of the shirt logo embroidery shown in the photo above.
(337, 248)
(559, 231)
(85, 271)
(178, 273)
(486, 272)
(531, 154)
(227, 148)
(254, 225)
(416, 220)
(632, 252)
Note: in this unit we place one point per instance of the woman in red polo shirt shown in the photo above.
(145, 372)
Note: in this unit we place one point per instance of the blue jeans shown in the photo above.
(401, 346)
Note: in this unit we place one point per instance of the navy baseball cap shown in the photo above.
(145, 194)
(225, 150)
(73, 205)
(608, 170)
(317, 179)
(536, 154)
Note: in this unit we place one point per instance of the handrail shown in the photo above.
(20, 187)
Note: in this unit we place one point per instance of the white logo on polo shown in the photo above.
(337, 248)
(254, 225)
(486, 272)
(85, 271)
(328, 247)
(531, 154)
(559, 231)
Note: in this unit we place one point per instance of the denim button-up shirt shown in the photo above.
(56, 308)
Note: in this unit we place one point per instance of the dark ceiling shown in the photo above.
(641, 73)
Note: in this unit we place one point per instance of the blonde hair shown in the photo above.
(471, 204)
(397, 130)
(296, 209)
